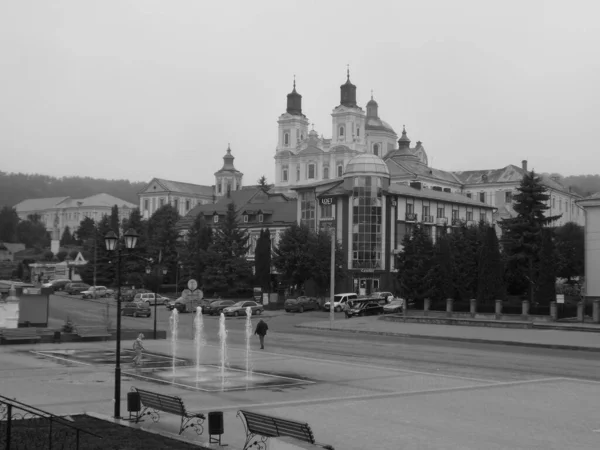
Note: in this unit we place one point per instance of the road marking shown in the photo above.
(47, 355)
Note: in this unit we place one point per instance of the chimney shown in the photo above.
(524, 165)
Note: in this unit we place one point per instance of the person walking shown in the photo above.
(261, 331)
(138, 347)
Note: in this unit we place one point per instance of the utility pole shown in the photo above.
(95, 260)
(332, 279)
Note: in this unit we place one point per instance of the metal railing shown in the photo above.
(27, 427)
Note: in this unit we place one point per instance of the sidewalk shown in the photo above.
(558, 339)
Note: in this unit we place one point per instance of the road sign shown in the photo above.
(192, 285)
(560, 298)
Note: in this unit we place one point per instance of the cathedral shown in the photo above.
(303, 157)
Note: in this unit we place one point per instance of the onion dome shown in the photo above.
(404, 141)
(294, 102)
(348, 93)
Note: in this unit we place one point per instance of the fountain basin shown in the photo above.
(209, 379)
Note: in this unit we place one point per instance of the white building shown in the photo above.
(591, 206)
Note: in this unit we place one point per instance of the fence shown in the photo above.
(27, 427)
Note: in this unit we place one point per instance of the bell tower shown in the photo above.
(293, 125)
(228, 178)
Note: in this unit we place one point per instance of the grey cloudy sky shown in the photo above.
(148, 88)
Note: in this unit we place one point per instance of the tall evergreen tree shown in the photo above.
(292, 258)
(32, 232)
(194, 248)
(464, 242)
(522, 235)
(163, 235)
(9, 220)
(415, 268)
(134, 261)
(114, 220)
(262, 260)
(490, 280)
(546, 280)
(67, 237)
(228, 272)
(262, 181)
(444, 268)
(105, 262)
(86, 230)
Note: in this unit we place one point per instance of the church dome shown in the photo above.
(374, 123)
(366, 164)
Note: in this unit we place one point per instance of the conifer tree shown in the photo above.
(262, 260)
(66, 238)
(292, 257)
(546, 280)
(490, 280)
(415, 268)
(194, 249)
(522, 235)
(444, 268)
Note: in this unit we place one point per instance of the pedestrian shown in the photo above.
(347, 308)
(261, 331)
(138, 348)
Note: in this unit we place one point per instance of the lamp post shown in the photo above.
(112, 244)
(158, 272)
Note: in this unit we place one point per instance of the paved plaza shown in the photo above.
(350, 405)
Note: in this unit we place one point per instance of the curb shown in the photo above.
(458, 339)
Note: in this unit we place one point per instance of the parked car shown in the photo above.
(185, 304)
(239, 308)
(149, 298)
(97, 292)
(136, 309)
(340, 300)
(75, 288)
(301, 304)
(381, 297)
(395, 306)
(364, 309)
(217, 307)
(57, 285)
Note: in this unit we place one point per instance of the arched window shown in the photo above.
(301, 136)
(358, 131)
(284, 174)
(340, 170)
(311, 171)
(325, 173)
(341, 132)
(376, 149)
(286, 139)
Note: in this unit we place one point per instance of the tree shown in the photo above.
(292, 257)
(9, 219)
(114, 220)
(262, 260)
(319, 247)
(32, 232)
(569, 240)
(86, 230)
(104, 262)
(194, 248)
(522, 235)
(228, 272)
(163, 235)
(465, 242)
(444, 268)
(67, 238)
(62, 255)
(490, 279)
(546, 279)
(262, 181)
(415, 268)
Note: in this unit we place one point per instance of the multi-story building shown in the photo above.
(371, 215)
(186, 196)
(57, 213)
(591, 205)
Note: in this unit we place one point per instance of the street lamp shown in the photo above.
(164, 272)
(112, 243)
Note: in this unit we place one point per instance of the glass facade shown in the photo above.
(307, 209)
(366, 223)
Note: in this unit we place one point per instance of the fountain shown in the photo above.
(223, 348)
(248, 337)
(174, 322)
(199, 339)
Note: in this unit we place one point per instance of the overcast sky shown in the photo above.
(138, 89)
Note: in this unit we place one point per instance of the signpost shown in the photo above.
(560, 298)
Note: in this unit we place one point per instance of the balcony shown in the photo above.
(456, 222)
(441, 221)
(411, 217)
(427, 219)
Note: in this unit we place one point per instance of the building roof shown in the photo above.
(402, 189)
(98, 200)
(415, 167)
(181, 188)
(253, 199)
(38, 204)
(366, 163)
(375, 123)
(13, 247)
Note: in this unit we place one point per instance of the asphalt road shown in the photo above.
(502, 363)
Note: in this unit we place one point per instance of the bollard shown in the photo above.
(449, 307)
(525, 308)
(553, 312)
(473, 307)
(580, 311)
(596, 311)
(426, 306)
(498, 309)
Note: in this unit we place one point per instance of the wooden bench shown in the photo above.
(266, 427)
(92, 332)
(153, 403)
(20, 334)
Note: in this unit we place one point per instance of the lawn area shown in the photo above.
(34, 433)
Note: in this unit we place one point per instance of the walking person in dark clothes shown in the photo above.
(261, 330)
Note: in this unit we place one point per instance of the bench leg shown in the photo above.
(197, 423)
(146, 411)
(256, 441)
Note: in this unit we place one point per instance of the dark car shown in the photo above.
(217, 307)
(136, 309)
(76, 288)
(57, 285)
(301, 304)
(364, 309)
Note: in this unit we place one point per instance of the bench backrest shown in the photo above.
(91, 329)
(274, 426)
(161, 402)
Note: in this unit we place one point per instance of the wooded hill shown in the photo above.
(16, 187)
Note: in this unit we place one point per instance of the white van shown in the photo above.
(340, 300)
